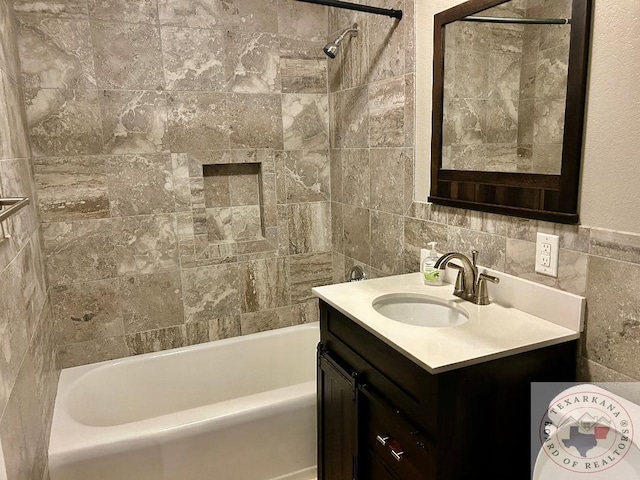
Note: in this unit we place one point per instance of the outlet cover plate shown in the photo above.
(547, 250)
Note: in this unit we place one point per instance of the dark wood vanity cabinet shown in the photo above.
(381, 416)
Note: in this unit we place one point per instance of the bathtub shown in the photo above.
(237, 409)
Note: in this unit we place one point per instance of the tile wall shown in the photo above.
(127, 103)
(28, 377)
(377, 225)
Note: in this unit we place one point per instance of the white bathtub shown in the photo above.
(237, 409)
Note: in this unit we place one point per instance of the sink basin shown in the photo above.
(420, 310)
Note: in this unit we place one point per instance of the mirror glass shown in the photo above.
(505, 88)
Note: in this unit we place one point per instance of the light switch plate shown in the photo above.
(547, 250)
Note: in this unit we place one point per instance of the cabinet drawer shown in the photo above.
(396, 441)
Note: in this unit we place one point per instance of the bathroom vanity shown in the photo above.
(400, 401)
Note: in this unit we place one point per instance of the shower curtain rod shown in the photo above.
(360, 8)
(530, 21)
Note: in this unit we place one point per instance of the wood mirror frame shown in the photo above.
(538, 196)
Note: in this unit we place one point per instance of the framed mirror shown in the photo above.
(510, 80)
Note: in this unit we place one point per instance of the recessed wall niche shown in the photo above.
(228, 205)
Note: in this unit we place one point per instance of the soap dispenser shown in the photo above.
(430, 274)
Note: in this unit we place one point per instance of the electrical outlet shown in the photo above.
(547, 250)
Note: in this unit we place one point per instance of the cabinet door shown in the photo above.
(337, 420)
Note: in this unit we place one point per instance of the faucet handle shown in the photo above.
(474, 257)
(482, 292)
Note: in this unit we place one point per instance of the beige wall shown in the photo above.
(611, 166)
(28, 377)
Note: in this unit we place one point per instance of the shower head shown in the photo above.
(331, 48)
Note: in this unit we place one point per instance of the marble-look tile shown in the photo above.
(305, 120)
(387, 179)
(491, 248)
(520, 261)
(197, 121)
(502, 121)
(194, 59)
(255, 121)
(572, 272)
(196, 333)
(216, 187)
(133, 121)
(9, 57)
(464, 121)
(551, 72)
(55, 53)
(357, 233)
(356, 177)
(71, 188)
(337, 230)
(572, 237)
(74, 354)
(14, 141)
(210, 292)
(409, 36)
(139, 11)
(87, 311)
(417, 233)
(335, 159)
(338, 268)
(309, 227)
(146, 244)
(118, 66)
(308, 271)
(590, 371)
(386, 47)
(307, 176)
(246, 223)
(140, 184)
(13, 329)
(616, 245)
(30, 267)
(250, 15)
(219, 228)
(479, 221)
(351, 118)
(150, 302)
(283, 229)
(613, 322)
(547, 159)
(387, 242)
(253, 62)
(303, 66)
(52, 8)
(263, 284)
(548, 123)
(79, 251)
(190, 13)
(300, 20)
(224, 327)
(156, 340)
(64, 122)
(504, 75)
(386, 113)
(265, 320)
(244, 187)
(20, 426)
(500, 157)
(409, 110)
(522, 229)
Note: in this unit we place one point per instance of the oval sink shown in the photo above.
(420, 310)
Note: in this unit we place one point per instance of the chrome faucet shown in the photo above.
(470, 285)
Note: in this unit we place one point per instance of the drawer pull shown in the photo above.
(382, 439)
(396, 450)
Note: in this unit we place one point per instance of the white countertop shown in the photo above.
(492, 331)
